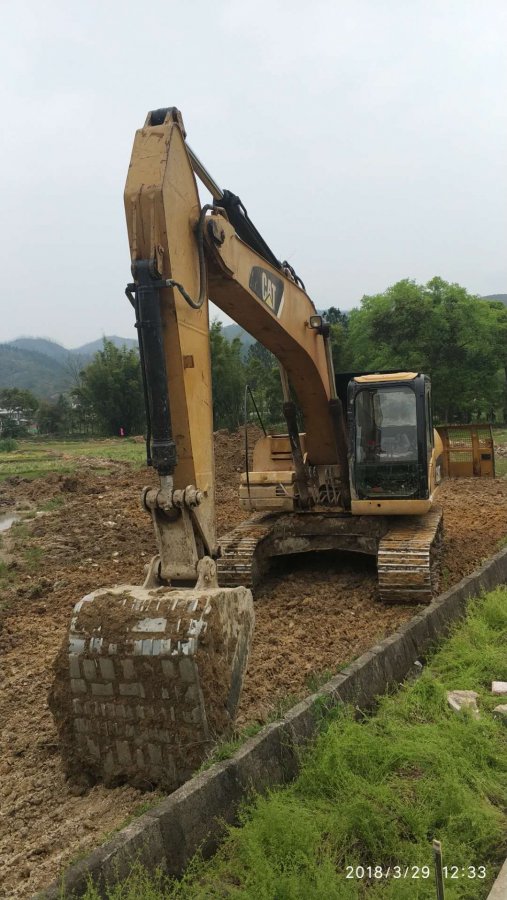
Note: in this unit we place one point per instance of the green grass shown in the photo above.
(52, 504)
(376, 792)
(7, 445)
(500, 466)
(35, 459)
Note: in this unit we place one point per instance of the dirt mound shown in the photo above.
(313, 615)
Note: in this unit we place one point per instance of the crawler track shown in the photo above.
(407, 557)
(237, 565)
(408, 561)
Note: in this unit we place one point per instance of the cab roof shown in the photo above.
(379, 377)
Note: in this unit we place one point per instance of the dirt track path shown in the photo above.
(310, 618)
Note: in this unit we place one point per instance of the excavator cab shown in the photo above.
(391, 441)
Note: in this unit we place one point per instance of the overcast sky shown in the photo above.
(367, 140)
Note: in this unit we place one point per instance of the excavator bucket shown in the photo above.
(147, 680)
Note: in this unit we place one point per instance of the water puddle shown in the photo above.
(6, 521)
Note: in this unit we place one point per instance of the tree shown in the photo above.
(437, 328)
(263, 377)
(54, 418)
(18, 408)
(110, 390)
(228, 378)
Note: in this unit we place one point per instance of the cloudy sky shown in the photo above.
(367, 140)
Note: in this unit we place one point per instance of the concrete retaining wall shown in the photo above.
(193, 816)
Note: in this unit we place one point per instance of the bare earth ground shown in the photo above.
(312, 617)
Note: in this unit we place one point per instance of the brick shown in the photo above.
(78, 707)
(123, 751)
(81, 726)
(106, 668)
(102, 690)
(78, 686)
(89, 669)
(130, 731)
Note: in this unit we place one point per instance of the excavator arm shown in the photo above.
(181, 255)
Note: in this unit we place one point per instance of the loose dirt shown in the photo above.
(313, 615)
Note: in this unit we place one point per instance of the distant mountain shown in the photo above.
(40, 373)
(93, 346)
(41, 345)
(45, 367)
(498, 297)
(233, 331)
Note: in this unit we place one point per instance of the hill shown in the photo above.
(92, 347)
(45, 367)
(41, 345)
(233, 331)
(502, 298)
(39, 373)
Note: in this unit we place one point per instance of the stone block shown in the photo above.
(459, 700)
(500, 712)
(499, 688)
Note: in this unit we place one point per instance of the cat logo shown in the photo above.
(267, 287)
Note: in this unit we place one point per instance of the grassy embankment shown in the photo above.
(375, 792)
(37, 458)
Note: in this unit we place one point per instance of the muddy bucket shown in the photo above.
(148, 680)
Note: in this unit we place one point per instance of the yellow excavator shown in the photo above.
(150, 676)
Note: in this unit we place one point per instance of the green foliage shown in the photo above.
(439, 329)
(7, 445)
(19, 407)
(228, 379)
(111, 392)
(55, 418)
(263, 377)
